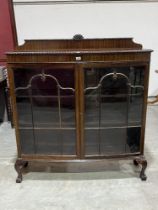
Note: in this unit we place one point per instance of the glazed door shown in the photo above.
(45, 98)
(113, 107)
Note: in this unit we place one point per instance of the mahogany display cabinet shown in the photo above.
(79, 101)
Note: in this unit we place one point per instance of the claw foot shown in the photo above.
(142, 161)
(19, 165)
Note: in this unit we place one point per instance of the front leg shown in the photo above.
(19, 165)
(142, 161)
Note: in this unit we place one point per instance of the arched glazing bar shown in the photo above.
(115, 76)
(44, 77)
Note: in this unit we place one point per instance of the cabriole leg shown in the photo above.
(142, 161)
(19, 165)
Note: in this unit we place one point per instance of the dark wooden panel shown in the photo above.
(102, 57)
(43, 45)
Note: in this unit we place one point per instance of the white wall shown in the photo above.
(92, 20)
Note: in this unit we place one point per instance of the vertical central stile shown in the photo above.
(80, 109)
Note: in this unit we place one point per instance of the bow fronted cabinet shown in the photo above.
(79, 101)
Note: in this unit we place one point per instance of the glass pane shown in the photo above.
(68, 108)
(135, 109)
(24, 108)
(133, 139)
(45, 112)
(112, 141)
(113, 109)
(92, 140)
(92, 108)
(46, 104)
(55, 142)
(106, 105)
(105, 141)
(27, 141)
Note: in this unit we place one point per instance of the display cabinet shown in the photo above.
(79, 101)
